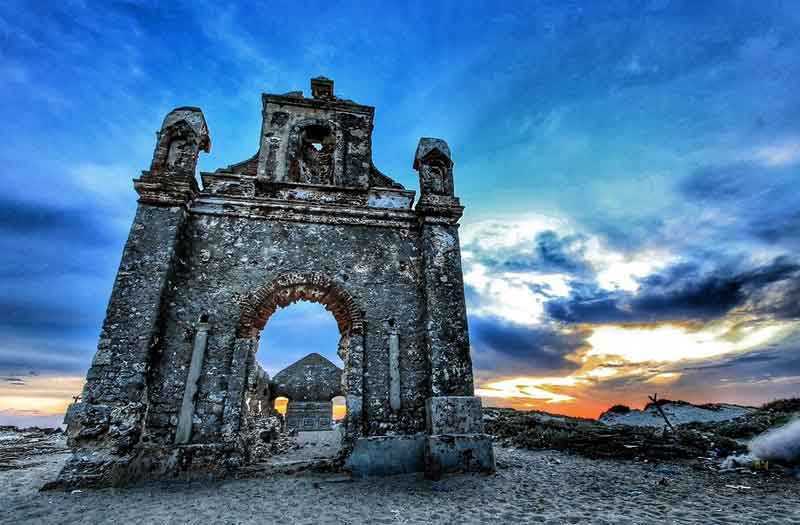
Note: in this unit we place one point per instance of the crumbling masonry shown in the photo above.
(173, 385)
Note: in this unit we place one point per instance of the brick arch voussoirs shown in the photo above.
(297, 286)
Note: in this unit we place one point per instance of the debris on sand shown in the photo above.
(773, 432)
(590, 438)
(19, 445)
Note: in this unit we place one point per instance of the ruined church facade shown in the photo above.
(308, 217)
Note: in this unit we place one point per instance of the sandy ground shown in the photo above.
(529, 487)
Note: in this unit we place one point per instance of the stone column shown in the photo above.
(455, 440)
(184, 431)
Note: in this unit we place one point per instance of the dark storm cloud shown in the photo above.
(36, 356)
(624, 233)
(536, 349)
(685, 293)
(747, 359)
(39, 222)
(41, 315)
(549, 252)
(779, 301)
(561, 254)
(54, 259)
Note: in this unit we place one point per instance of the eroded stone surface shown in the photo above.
(455, 415)
(447, 453)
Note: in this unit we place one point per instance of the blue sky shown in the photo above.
(629, 171)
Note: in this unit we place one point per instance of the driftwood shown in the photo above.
(654, 399)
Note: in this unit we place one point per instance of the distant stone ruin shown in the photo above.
(174, 385)
(310, 384)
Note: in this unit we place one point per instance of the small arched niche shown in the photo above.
(313, 153)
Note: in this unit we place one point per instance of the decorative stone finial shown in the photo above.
(322, 88)
(183, 135)
(427, 146)
(432, 161)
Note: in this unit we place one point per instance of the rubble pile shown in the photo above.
(266, 438)
(17, 444)
(590, 438)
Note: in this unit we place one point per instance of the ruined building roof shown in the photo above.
(312, 378)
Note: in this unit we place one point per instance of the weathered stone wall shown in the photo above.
(230, 257)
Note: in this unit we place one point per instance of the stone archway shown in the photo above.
(315, 287)
(163, 373)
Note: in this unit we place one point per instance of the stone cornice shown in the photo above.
(302, 211)
(226, 184)
(334, 104)
(439, 209)
(168, 189)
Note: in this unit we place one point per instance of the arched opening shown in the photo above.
(295, 331)
(339, 409)
(311, 298)
(313, 155)
(299, 348)
(279, 404)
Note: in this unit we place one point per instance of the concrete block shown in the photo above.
(454, 415)
(447, 453)
(387, 455)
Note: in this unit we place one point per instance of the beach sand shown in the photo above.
(529, 487)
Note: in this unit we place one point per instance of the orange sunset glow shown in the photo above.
(646, 358)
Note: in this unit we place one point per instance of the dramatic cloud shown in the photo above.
(508, 348)
(573, 337)
(684, 293)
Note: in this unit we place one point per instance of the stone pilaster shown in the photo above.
(445, 310)
(244, 350)
(184, 431)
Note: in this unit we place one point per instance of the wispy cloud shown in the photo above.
(784, 153)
